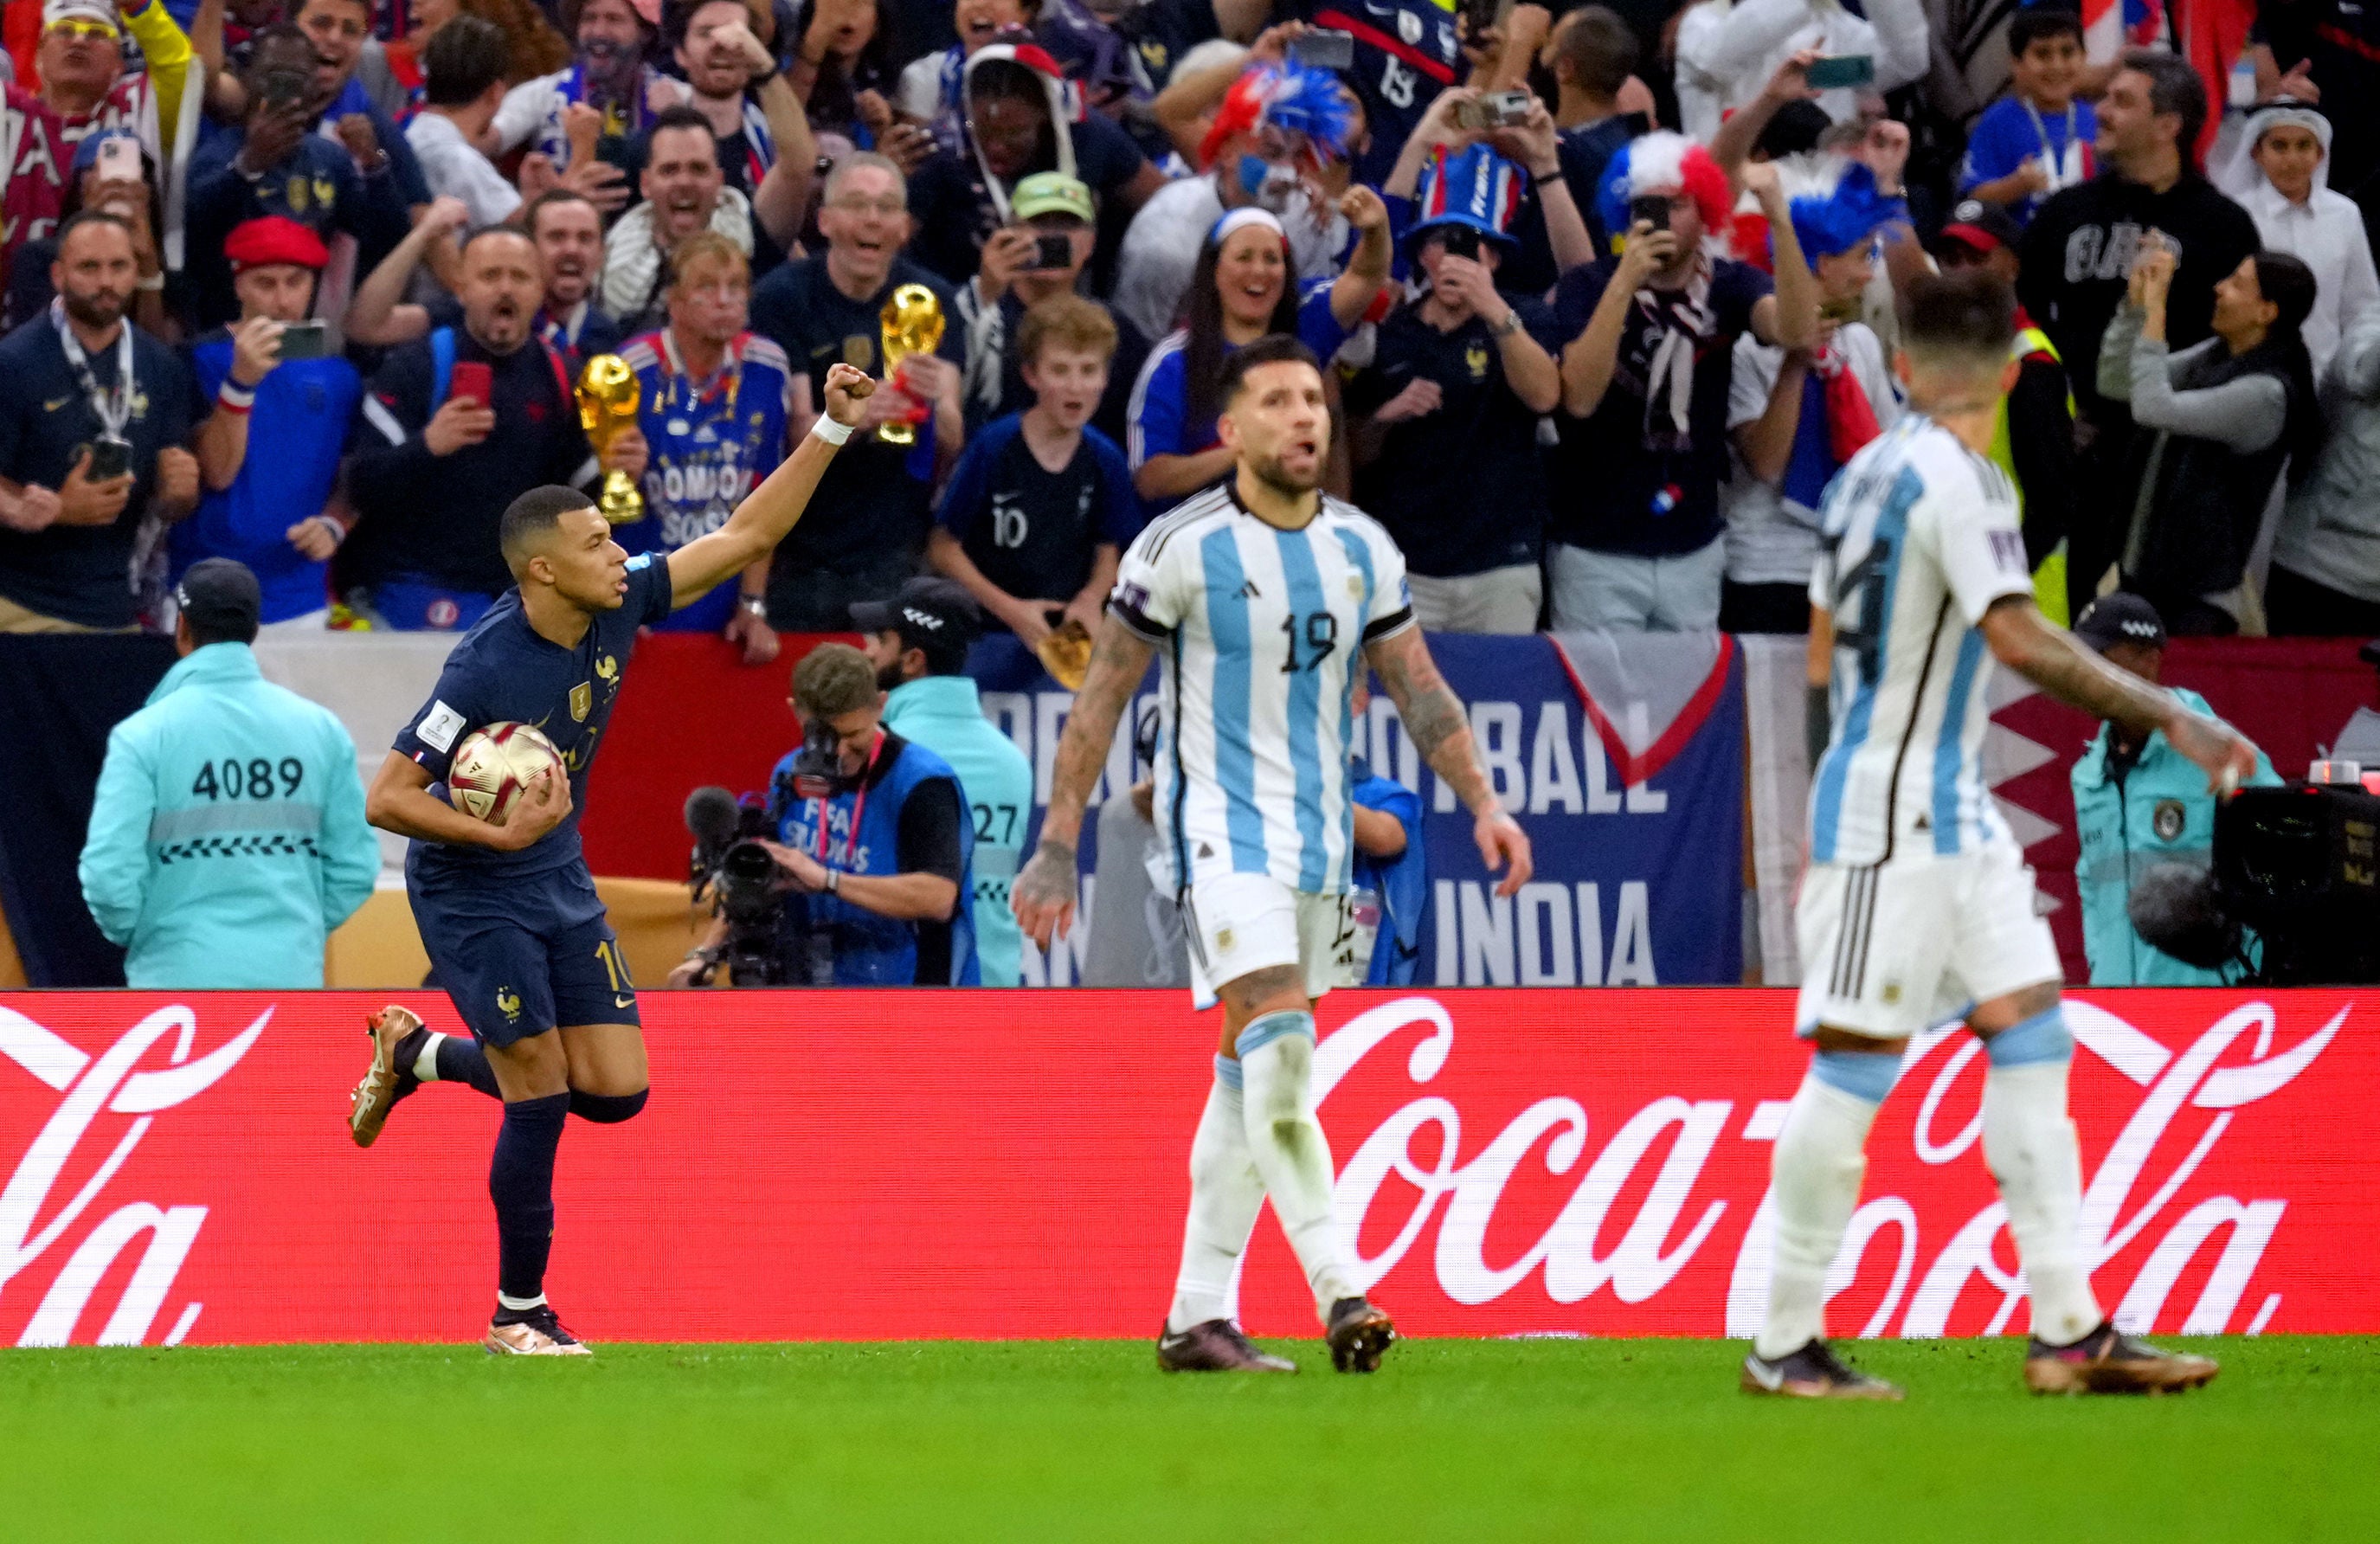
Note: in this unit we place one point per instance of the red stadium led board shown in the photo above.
(881, 1165)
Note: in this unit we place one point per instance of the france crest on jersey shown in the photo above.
(712, 442)
(1919, 536)
(1261, 631)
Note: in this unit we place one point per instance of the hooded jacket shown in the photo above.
(227, 838)
(1063, 112)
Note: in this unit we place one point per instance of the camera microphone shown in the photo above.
(711, 815)
(2176, 908)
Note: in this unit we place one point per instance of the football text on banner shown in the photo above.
(1639, 852)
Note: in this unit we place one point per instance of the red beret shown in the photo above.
(273, 238)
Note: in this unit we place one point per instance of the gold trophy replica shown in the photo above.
(608, 395)
(912, 323)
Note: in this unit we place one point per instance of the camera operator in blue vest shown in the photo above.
(873, 844)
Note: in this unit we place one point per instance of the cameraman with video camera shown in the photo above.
(2137, 803)
(872, 844)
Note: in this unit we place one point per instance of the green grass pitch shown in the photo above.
(1454, 1439)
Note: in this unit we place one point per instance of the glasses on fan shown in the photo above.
(81, 28)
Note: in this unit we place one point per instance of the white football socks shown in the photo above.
(1821, 1157)
(425, 1065)
(1290, 1151)
(1225, 1196)
(2031, 1146)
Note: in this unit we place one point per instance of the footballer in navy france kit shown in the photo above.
(508, 913)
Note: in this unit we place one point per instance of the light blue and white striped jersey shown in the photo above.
(1919, 536)
(1260, 630)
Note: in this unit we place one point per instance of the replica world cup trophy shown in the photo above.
(608, 395)
(912, 323)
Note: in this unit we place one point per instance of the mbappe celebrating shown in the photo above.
(507, 910)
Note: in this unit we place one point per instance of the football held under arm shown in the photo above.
(400, 801)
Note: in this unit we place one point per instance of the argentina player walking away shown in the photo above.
(1266, 600)
(506, 909)
(1917, 907)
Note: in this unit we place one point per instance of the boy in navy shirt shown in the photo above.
(2037, 139)
(507, 911)
(1041, 506)
(268, 509)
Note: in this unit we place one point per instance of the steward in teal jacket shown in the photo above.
(227, 838)
(2128, 818)
(943, 714)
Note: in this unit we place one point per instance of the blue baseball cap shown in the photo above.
(86, 154)
(1474, 186)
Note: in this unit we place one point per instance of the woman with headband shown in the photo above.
(1242, 290)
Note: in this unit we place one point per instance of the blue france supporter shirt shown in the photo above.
(1159, 422)
(294, 436)
(1031, 530)
(2005, 137)
(712, 442)
(503, 669)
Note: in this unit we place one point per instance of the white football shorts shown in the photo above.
(1892, 948)
(1239, 923)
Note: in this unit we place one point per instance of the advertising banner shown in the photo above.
(897, 1165)
(1622, 758)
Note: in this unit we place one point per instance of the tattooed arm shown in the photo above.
(2049, 657)
(1437, 726)
(1043, 895)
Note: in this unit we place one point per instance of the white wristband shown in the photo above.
(830, 432)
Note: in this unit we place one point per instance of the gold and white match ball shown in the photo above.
(492, 765)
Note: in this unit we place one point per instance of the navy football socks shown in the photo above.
(460, 1060)
(520, 1182)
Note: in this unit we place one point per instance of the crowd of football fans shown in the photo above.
(1609, 292)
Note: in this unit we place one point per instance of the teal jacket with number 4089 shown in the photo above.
(227, 838)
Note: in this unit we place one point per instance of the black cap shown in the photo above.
(1980, 227)
(934, 615)
(222, 599)
(2119, 618)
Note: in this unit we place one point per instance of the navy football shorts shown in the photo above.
(522, 956)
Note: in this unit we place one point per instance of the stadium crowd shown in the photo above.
(323, 285)
(1594, 373)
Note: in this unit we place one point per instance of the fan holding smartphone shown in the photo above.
(269, 449)
(86, 392)
(1458, 378)
(1635, 538)
(457, 425)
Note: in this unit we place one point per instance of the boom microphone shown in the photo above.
(2176, 908)
(711, 815)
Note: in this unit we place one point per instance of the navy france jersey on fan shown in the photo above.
(503, 669)
(1920, 538)
(1260, 630)
(1405, 54)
